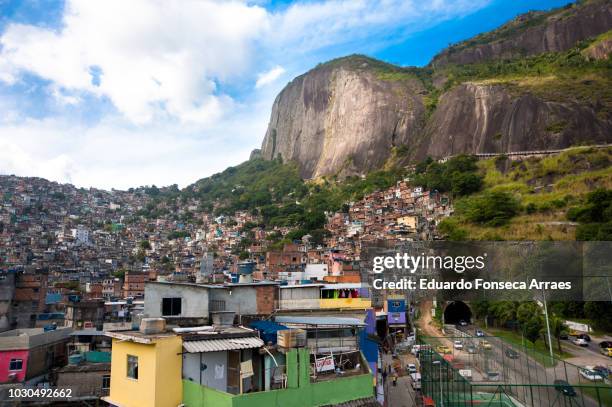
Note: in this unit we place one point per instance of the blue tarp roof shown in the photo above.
(268, 329)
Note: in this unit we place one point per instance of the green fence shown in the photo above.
(487, 371)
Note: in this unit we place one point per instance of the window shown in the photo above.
(171, 306)
(16, 364)
(106, 381)
(132, 367)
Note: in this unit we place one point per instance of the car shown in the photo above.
(443, 349)
(580, 342)
(511, 353)
(605, 344)
(564, 335)
(585, 337)
(479, 333)
(590, 374)
(471, 349)
(603, 371)
(458, 345)
(463, 323)
(485, 345)
(493, 376)
(606, 352)
(564, 388)
(411, 368)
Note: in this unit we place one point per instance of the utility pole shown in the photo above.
(547, 326)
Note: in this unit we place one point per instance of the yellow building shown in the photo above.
(409, 221)
(145, 370)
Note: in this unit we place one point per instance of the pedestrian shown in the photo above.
(394, 379)
(384, 375)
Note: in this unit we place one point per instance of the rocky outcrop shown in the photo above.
(344, 117)
(533, 33)
(478, 118)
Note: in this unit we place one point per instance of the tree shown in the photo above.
(557, 328)
(490, 208)
(145, 245)
(532, 328)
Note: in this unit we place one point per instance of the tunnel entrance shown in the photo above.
(457, 311)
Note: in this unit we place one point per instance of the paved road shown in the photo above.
(401, 395)
(526, 370)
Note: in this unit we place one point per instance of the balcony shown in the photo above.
(301, 390)
(341, 303)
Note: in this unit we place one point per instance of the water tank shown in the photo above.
(150, 326)
(75, 359)
(223, 318)
(245, 271)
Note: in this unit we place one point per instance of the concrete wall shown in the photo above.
(194, 299)
(299, 298)
(242, 300)
(206, 377)
(7, 293)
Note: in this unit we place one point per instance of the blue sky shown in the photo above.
(118, 94)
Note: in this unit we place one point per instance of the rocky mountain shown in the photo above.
(533, 33)
(344, 116)
(355, 114)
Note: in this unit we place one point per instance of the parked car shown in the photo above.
(580, 342)
(585, 337)
(463, 322)
(443, 349)
(602, 370)
(590, 374)
(512, 354)
(493, 376)
(458, 345)
(564, 387)
(411, 368)
(479, 333)
(485, 345)
(606, 352)
(471, 349)
(564, 335)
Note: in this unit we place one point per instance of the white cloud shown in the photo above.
(165, 67)
(270, 76)
(153, 57)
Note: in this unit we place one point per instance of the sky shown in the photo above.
(119, 94)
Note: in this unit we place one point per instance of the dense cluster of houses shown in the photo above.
(86, 273)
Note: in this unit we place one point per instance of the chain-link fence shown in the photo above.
(464, 370)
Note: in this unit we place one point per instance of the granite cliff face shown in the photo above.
(343, 117)
(533, 33)
(480, 118)
(351, 115)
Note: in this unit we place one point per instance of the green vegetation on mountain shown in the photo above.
(541, 199)
(553, 76)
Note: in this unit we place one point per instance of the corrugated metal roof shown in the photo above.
(216, 345)
(318, 320)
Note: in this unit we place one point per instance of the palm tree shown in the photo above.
(557, 327)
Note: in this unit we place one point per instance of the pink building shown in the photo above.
(13, 365)
(29, 353)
